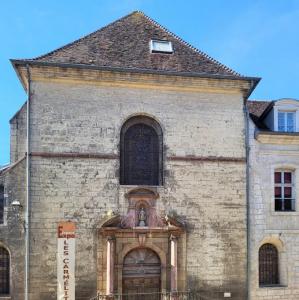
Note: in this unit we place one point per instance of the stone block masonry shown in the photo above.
(210, 195)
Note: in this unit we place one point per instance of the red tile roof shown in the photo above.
(125, 44)
(256, 110)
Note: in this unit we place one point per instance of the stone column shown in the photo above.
(110, 266)
(173, 263)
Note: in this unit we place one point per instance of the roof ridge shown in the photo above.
(86, 36)
(188, 45)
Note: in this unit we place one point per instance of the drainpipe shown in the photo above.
(246, 117)
(27, 212)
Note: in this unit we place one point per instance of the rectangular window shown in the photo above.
(1, 204)
(284, 191)
(286, 121)
(161, 46)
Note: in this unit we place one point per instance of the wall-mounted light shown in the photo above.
(16, 207)
(16, 204)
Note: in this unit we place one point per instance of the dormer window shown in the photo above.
(283, 116)
(161, 46)
(286, 121)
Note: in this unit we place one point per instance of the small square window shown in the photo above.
(158, 46)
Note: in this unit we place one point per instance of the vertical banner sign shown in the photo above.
(66, 261)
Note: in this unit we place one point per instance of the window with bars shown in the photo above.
(268, 265)
(141, 152)
(4, 271)
(284, 190)
(286, 121)
(2, 202)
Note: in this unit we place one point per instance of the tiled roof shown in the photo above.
(256, 107)
(125, 44)
(256, 110)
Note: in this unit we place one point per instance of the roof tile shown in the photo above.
(256, 110)
(125, 43)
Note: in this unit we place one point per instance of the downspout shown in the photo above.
(27, 212)
(247, 146)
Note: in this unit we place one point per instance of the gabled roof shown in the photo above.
(125, 44)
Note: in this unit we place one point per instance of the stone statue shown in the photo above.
(142, 217)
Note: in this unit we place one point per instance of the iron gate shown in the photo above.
(152, 296)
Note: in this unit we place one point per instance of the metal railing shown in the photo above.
(187, 295)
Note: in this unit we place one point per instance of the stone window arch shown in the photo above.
(141, 152)
(268, 265)
(4, 271)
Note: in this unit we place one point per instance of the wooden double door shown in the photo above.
(141, 275)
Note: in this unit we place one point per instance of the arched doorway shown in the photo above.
(4, 271)
(141, 274)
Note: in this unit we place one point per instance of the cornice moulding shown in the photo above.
(191, 82)
(277, 138)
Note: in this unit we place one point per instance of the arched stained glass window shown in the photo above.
(141, 152)
(268, 265)
(4, 271)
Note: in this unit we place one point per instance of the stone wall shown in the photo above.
(12, 231)
(266, 225)
(210, 195)
(18, 134)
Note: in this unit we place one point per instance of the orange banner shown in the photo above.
(66, 230)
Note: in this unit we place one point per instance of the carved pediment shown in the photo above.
(155, 221)
(142, 213)
(174, 221)
(113, 221)
(142, 194)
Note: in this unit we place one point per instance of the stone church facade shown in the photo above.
(141, 140)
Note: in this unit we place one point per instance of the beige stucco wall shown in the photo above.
(266, 225)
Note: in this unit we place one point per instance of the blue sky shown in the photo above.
(254, 37)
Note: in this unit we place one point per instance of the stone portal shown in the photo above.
(142, 251)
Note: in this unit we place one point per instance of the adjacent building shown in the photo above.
(273, 206)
